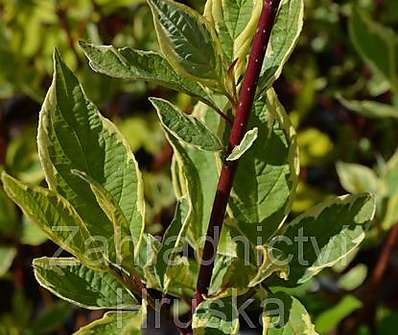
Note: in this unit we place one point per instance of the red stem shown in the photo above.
(385, 255)
(370, 294)
(3, 139)
(63, 20)
(245, 104)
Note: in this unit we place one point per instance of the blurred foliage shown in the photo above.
(30, 29)
(19, 319)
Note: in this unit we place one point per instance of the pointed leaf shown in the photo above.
(235, 264)
(196, 172)
(173, 239)
(126, 63)
(274, 261)
(188, 41)
(186, 128)
(115, 323)
(190, 184)
(150, 248)
(56, 217)
(284, 36)
(390, 176)
(326, 234)
(354, 278)
(218, 316)
(370, 109)
(8, 215)
(246, 143)
(181, 277)
(122, 238)
(31, 233)
(388, 190)
(168, 271)
(235, 23)
(7, 255)
(70, 280)
(357, 178)
(284, 314)
(331, 318)
(73, 135)
(377, 45)
(266, 177)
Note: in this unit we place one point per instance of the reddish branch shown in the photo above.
(383, 261)
(367, 314)
(63, 20)
(3, 139)
(242, 112)
(378, 274)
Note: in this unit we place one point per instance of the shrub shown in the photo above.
(234, 170)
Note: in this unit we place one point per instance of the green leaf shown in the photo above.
(21, 308)
(115, 323)
(345, 262)
(284, 36)
(7, 255)
(216, 316)
(188, 42)
(70, 280)
(186, 128)
(324, 235)
(330, 319)
(230, 19)
(246, 143)
(353, 278)
(235, 23)
(127, 63)
(266, 177)
(51, 319)
(73, 135)
(181, 277)
(376, 44)
(31, 233)
(173, 240)
(150, 247)
(370, 109)
(57, 218)
(8, 215)
(284, 314)
(274, 261)
(122, 238)
(391, 213)
(389, 176)
(166, 267)
(206, 165)
(195, 173)
(235, 264)
(22, 158)
(191, 168)
(357, 178)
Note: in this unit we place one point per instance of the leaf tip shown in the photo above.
(6, 179)
(83, 44)
(155, 102)
(57, 58)
(58, 63)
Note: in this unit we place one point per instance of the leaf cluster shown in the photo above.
(93, 206)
